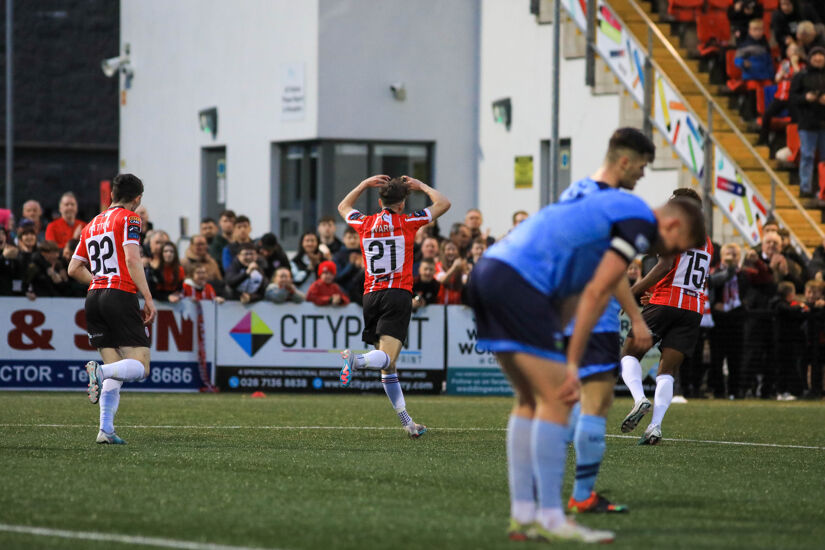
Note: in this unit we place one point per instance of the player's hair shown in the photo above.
(630, 139)
(242, 219)
(126, 188)
(228, 214)
(785, 288)
(326, 219)
(686, 193)
(394, 191)
(208, 220)
(691, 213)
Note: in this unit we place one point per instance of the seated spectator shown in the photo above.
(305, 263)
(753, 56)
(270, 254)
(461, 237)
(789, 337)
(351, 244)
(450, 271)
(157, 239)
(809, 37)
(785, 20)
(197, 287)
(807, 95)
(477, 249)
(33, 212)
(740, 14)
(67, 226)
(166, 280)
(240, 236)
(473, 220)
(197, 254)
(330, 244)
(425, 288)
(787, 69)
(282, 290)
(26, 241)
(324, 291)
(45, 276)
(223, 238)
(244, 278)
(11, 271)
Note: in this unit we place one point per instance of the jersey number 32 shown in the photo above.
(102, 255)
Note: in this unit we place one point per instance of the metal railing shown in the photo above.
(713, 107)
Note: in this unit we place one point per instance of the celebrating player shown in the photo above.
(628, 152)
(523, 291)
(107, 258)
(674, 314)
(387, 240)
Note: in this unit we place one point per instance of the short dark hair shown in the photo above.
(242, 219)
(686, 193)
(394, 191)
(126, 188)
(695, 219)
(427, 261)
(208, 220)
(246, 246)
(48, 246)
(227, 214)
(326, 219)
(785, 288)
(350, 229)
(632, 139)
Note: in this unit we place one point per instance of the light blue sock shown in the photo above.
(573, 420)
(549, 455)
(109, 400)
(393, 389)
(589, 445)
(520, 469)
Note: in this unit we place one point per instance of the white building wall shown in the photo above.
(194, 54)
(516, 62)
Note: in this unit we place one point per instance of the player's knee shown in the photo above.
(389, 370)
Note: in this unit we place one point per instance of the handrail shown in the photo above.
(775, 180)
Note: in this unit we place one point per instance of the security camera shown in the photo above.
(398, 91)
(114, 64)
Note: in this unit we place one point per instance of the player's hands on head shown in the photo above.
(376, 181)
(149, 312)
(415, 185)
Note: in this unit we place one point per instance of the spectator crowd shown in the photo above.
(765, 319)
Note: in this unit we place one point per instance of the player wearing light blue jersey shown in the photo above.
(628, 152)
(568, 258)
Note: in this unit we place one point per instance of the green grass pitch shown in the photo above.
(185, 475)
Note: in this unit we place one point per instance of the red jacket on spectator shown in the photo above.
(198, 294)
(59, 231)
(320, 293)
(167, 283)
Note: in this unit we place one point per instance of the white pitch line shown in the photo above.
(381, 428)
(125, 539)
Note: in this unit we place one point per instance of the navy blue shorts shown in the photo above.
(512, 315)
(601, 355)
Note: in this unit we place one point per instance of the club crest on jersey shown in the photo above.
(419, 214)
(355, 215)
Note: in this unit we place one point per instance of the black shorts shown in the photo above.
(113, 319)
(512, 315)
(602, 354)
(674, 327)
(387, 312)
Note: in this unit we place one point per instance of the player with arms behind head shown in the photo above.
(387, 240)
(569, 257)
(674, 315)
(107, 258)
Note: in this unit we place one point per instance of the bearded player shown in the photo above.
(674, 315)
(387, 240)
(107, 258)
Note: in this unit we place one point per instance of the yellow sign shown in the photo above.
(524, 172)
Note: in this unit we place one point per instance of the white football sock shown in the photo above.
(126, 370)
(632, 376)
(396, 396)
(109, 400)
(662, 398)
(373, 360)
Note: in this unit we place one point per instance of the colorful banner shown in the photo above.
(470, 371)
(297, 347)
(736, 197)
(678, 123)
(46, 346)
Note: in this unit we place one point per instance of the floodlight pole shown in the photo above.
(554, 133)
(9, 106)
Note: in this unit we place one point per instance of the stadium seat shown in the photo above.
(719, 4)
(712, 30)
(792, 133)
(685, 10)
(770, 5)
(763, 100)
(821, 174)
(735, 82)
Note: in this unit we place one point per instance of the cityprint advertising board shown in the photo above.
(46, 347)
(297, 347)
(470, 371)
